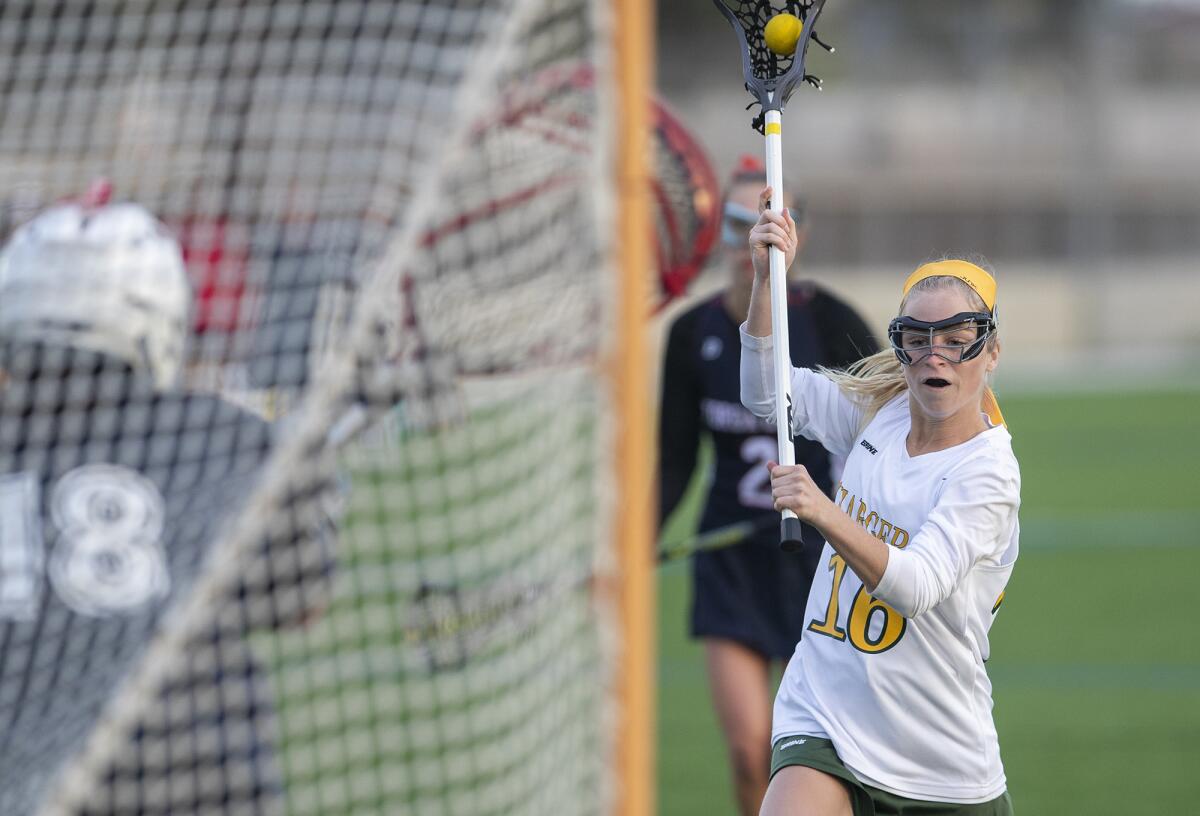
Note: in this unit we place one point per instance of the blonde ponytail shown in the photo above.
(872, 382)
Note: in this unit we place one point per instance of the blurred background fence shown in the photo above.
(1059, 138)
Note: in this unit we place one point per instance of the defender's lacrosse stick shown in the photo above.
(687, 205)
(718, 539)
(774, 43)
(447, 624)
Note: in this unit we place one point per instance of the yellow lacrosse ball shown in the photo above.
(782, 32)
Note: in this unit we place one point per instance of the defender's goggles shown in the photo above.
(955, 339)
(736, 222)
(738, 219)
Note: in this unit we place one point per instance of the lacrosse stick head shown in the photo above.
(687, 204)
(770, 77)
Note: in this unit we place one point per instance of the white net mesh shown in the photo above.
(347, 566)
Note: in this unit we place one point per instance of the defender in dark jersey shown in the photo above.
(748, 600)
(114, 490)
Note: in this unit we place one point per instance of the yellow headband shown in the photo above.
(970, 274)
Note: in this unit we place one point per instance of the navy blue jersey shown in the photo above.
(111, 499)
(753, 592)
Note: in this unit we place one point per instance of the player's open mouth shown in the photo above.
(936, 382)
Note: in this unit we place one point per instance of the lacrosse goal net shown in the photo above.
(381, 546)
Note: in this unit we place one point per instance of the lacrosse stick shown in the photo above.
(773, 72)
(687, 199)
(710, 540)
(447, 624)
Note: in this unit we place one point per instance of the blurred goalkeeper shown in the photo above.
(114, 488)
(747, 600)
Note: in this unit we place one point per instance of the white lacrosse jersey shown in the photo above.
(896, 679)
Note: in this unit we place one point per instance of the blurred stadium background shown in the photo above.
(1061, 139)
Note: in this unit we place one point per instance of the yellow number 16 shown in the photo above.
(862, 611)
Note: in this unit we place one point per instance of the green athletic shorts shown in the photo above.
(866, 800)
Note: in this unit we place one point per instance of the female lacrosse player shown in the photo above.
(887, 700)
(748, 600)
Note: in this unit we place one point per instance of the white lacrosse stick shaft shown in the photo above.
(782, 358)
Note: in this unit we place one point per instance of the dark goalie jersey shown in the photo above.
(111, 499)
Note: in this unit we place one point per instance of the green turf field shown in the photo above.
(1096, 653)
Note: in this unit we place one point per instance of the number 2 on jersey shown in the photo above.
(754, 489)
(863, 611)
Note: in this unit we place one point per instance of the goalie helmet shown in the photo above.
(108, 279)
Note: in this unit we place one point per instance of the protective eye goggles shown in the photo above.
(914, 340)
(737, 220)
(736, 223)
